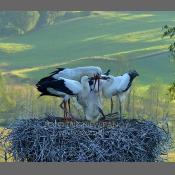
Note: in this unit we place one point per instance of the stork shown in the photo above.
(96, 92)
(91, 104)
(118, 86)
(91, 100)
(94, 107)
(94, 99)
(62, 87)
(77, 72)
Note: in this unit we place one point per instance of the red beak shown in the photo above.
(97, 80)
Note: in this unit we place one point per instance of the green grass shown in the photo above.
(146, 67)
(10, 48)
(4, 133)
(171, 157)
(120, 38)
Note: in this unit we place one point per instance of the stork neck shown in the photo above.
(129, 79)
(85, 88)
(85, 85)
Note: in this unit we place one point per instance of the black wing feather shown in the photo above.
(58, 85)
(57, 71)
(45, 79)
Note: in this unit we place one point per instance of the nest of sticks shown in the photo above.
(50, 140)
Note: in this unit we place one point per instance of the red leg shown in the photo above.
(67, 113)
(62, 106)
(66, 117)
(69, 105)
(69, 117)
(94, 82)
(64, 109)
(95, 78)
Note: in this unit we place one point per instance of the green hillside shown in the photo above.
(115, 40)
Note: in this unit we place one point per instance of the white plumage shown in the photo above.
(91, 106)
(80, 82)
(64, 88)
(118, 86)
(77, 73)
(114, 85)
(92, 109)
(94, 100)
(90, 102)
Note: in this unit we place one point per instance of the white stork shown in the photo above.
(64, 88)
(118, 86)
(77, 72)
(91, 104)
(94, 107)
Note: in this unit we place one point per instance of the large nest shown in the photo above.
(39, 140)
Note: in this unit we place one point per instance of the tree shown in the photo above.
(170, 32)
(21, 22)
(18, 22)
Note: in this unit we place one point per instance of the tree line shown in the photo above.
(21, 22)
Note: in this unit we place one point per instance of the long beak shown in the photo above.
(97, 80)
(105, 78)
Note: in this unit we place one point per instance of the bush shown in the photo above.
(18, 22)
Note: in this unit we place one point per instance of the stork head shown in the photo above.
(133, 73)
(85, 79)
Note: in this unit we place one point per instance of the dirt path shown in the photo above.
(148, 55)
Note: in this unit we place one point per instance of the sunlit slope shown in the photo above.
(114, 38)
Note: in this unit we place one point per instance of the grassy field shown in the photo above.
(113, 38)
(171, 157)
(4, 133)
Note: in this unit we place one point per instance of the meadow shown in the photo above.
(115, 40)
